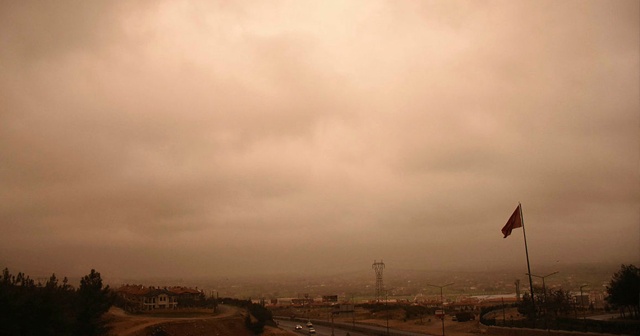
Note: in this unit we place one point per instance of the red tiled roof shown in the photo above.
(183, 290)
(142, 290)
(134, 289)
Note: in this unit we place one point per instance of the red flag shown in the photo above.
(515, 221)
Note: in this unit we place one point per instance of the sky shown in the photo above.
(217, 138)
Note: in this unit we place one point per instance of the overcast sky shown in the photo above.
(155, 138)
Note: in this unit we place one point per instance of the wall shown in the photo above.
(504, 331)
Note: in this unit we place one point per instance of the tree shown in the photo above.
(624, 290)
(93, 301)
(260, 315)
(559, 302)
(552, 304)
(526, 306)
(29, 309)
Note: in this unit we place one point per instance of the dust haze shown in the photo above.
(155, 138)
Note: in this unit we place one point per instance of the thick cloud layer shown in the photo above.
(209, 138)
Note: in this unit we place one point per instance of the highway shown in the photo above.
(320, 330)
(603, 317)
(324, 330)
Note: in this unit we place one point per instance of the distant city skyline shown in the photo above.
(197, 139)
(402, 283)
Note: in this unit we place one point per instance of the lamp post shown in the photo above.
(441, 300)
(386, 301)
(332, 312)
(353, 313)
(215, 301)
(544, 293)
(304, 302)
(584, 314)
(582, 297)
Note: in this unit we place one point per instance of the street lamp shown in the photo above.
(544, 292)
(386, 301)
(582, 297)
(215, 303)
(544, 288)
(441, 287)
(441, 300)
(584, 314)
(304, 302)
(332, 312)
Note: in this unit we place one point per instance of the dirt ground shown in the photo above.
(229, 321)
(271, 331)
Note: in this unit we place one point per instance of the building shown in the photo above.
(330, 298)
(187, 296)
(141, 298)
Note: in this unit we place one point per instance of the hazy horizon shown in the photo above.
(155, 138)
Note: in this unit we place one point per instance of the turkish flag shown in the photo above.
(515, 221)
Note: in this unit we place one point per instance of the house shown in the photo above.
(141, 298)
(187, 296)
(330, 298)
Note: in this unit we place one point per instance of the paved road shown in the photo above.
(324, 330)
(603, 317)
(320, 330)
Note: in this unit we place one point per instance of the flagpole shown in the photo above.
(533, 301)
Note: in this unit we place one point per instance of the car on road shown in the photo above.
(309, 324)
(312, 331)
(298, 327)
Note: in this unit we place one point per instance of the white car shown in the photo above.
(312, 331)
(298, 327)
(309, 324)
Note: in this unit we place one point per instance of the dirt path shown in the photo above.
(124, 324)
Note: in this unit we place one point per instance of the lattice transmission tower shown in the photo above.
(378, 267)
